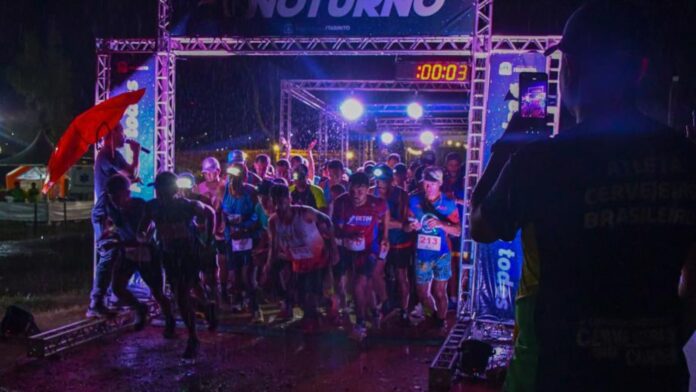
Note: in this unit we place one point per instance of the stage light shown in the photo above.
(350, 155)
(352, 109)
(427, 138)
(458, 144)
(386, 137)
(276, 147)
(414, 110)
(449, 142)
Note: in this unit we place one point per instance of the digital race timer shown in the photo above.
(434, 71)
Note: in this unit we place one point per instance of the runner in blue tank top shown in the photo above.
(434, 216)
(241, 230)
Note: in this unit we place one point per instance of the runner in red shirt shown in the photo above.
(357, 217)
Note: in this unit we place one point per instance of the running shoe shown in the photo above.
(417, 312)
(257, 318)
(359, 332)
(98, 309)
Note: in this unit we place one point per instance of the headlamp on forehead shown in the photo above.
(378, 172)
(295, 176)
(234, 171)
(184, 183)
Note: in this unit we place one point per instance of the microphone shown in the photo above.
(143, 149)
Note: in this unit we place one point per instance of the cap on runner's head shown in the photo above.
(428, 157)
(210, 165)
(236, 156)
(359, 179)
(383, 172)
(400, 169)
(432, 174)
(185, 180)
(599, 28)
(165, 180)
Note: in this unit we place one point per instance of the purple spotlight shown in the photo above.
(414, 110)
(352, 109)
(427, 138)
(387, 138)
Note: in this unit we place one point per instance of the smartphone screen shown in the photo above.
(533, 95)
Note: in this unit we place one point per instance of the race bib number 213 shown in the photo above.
(429, 242)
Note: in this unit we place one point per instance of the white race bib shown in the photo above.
(301, 253)
(234, 217)
(354, 244)
(242, 244)
(429, 242)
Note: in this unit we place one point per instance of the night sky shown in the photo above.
(56, 39)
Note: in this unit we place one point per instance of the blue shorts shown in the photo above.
(439, 269)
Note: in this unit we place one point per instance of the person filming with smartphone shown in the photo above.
(608, 230)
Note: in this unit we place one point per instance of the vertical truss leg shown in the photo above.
(478, 105)
(164, 91)
(285, 115)
(164, 111)
(101, 93)
(553, 68)
(343, 131)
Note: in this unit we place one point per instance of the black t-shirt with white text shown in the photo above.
(611, 210)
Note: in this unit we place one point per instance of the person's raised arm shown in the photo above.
(310, 161)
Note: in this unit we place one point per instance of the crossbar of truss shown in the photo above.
(328, 46)
(376, 85)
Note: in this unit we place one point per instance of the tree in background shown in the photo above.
(42, 74)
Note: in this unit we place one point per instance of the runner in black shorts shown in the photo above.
(358, 218)
(400, 253)
(205, 291)
(212, 188)
(172, 218)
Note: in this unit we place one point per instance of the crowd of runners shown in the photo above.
(343, 246)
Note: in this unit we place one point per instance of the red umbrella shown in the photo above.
(85, 130)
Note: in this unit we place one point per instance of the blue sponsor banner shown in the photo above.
(363, 18)
(130, 73)
(500, 263)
